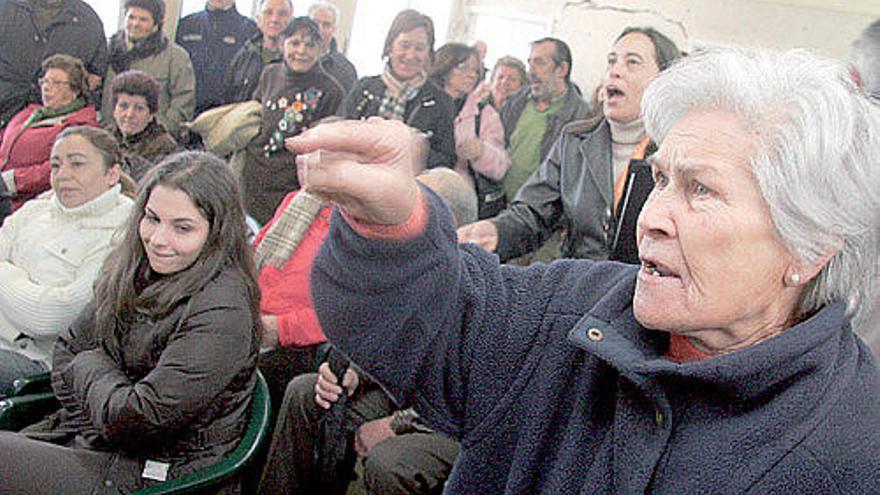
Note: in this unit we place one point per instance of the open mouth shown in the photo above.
(614, 92)
(657, 270)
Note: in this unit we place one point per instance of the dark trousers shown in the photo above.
(409, 463)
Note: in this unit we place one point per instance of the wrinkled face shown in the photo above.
(55, 89)
(300, 52)
(139, 23)
(273, 17)
(711, 258)
(132, 114)
(505, 82)
(631, 67)
(546, 78)
(173, 230)
(409, 53)
(463, 77)
(78, 173)
(327, 22)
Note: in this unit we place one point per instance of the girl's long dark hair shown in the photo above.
(120, 292)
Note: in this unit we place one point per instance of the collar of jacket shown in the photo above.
(610, 332)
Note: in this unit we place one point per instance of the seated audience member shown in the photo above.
(212, 37)
(580, 186)
(326, 15)
(144, 141)
(725, 363)
(479, 134)
(141, 45)
(52, 248)
(36, 29)
(400, 454)
(403, 92)
(262, 49)
(866, 73)
(26, 142)
(294, 94)
(508, 76)
(155, 376)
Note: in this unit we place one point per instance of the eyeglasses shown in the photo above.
(54, 84)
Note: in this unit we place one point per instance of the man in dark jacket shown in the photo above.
(333, 62)
(30, 31)
(263, 48)
(213, 37)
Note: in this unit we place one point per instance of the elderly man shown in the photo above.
(866, 73)
(725, 363)
(262, 49)
(213, 37)
(30, 31)
(327, 15)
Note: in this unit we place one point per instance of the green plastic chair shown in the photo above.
(18, 411)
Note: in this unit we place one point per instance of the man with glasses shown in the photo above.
(30, 31)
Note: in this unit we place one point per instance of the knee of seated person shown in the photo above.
(388, 471)
(300, 394)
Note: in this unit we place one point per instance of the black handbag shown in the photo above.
(491, 197)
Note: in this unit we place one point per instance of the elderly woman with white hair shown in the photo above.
(724, 363)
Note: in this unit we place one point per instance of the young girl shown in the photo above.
(155, 376)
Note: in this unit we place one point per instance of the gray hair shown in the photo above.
(458, 196)
(325, 6)
(818, 146)
(866, 59)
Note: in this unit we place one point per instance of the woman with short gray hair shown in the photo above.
(724, 363)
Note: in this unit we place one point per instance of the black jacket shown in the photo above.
(176, 389)
(76, 31)
(430, 111)
(244, 71)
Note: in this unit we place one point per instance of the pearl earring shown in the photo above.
(795, 278)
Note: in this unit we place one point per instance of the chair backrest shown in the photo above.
(215, 474)
(19, 411)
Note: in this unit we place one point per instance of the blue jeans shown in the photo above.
(14, 365)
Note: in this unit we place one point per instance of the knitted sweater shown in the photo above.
(49, 259)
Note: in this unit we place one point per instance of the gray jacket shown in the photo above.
(573, 108)
(572, 190)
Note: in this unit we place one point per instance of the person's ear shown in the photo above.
(801, 272)
(113, 175)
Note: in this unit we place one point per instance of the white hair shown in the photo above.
(325, 6)
(866, 59)
(817, 162)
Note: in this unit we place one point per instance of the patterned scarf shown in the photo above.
(122, 55)
(288, 231)
(398, 94)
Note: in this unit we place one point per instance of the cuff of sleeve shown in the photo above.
(413, 227)
(9, 179)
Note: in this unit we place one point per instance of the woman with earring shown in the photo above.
(52, 248)
(156, 375)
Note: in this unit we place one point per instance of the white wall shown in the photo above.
(589, 27)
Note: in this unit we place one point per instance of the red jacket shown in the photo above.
(285, 292)
(27, 150)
